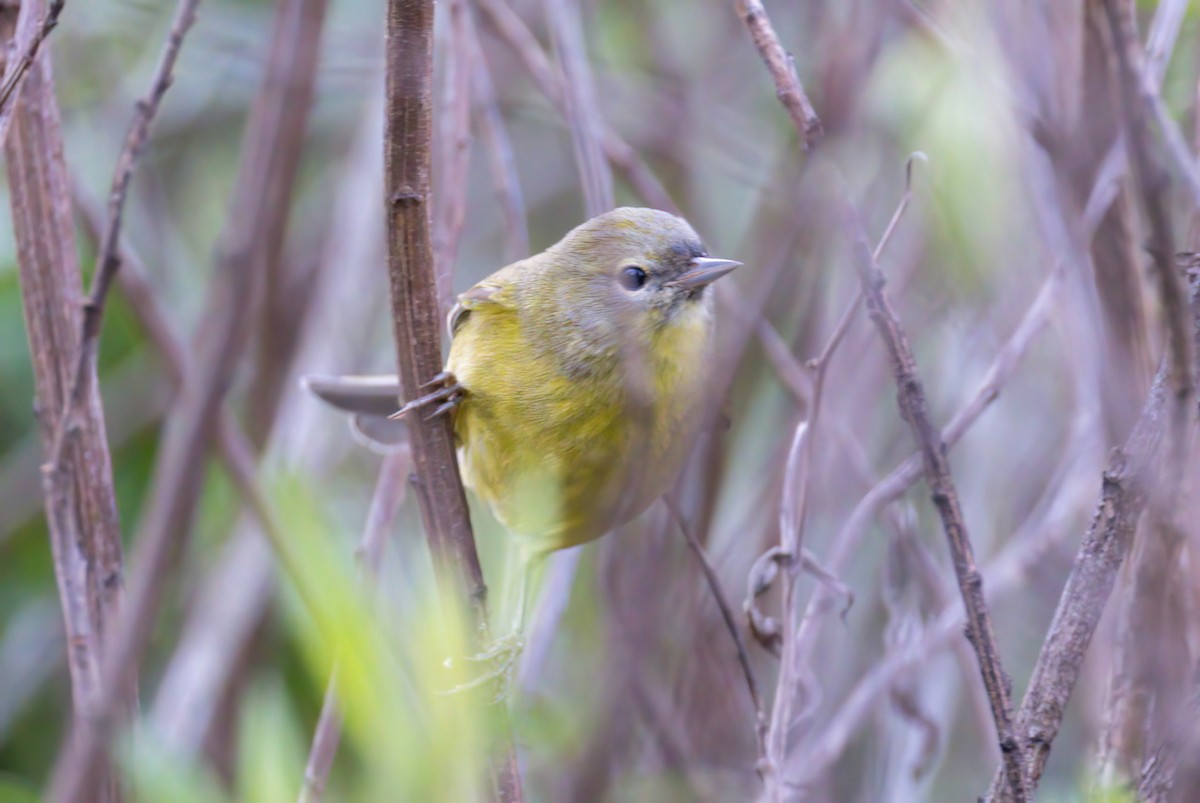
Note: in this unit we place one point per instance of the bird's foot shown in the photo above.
(447, 395)
(500, 661)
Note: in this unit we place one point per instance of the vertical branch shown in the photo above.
(260, 198)
(29, 36)
(1137, 689)
(454, 135)
(500, 151)
(620, 153)
(385, 504)
(48, 265)
(105, 543)
(579, 105)
(911, 399)
(417, 323)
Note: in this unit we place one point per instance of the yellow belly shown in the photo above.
(559, 459)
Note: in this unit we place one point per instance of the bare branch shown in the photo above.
(714, 584)
(513, 30)
(500, 152)
(244, 252)
(580, 105)
(29, 38)
(454, 136)
(911, 399)
(782, 67)
(81, 513)
(55, 481)
(417, 321)
(385, 504)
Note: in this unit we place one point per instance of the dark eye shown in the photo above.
(633, 277)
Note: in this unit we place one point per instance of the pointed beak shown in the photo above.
(704, 270)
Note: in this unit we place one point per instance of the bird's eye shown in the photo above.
(633, 278)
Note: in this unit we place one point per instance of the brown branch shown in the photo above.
(792, 509)
(911, 399)
(29, 38)
(1123, 492)
(580, 106)
(1153, 184)
(1004, 574)
(54, 478)
(454, 136)
(500, 152)
(417, 327)
(385, 504)
(1104, 547)
(242, 255)
(1154, 554)
(513, 30)
(782, 67)
(714, 584)
(84, 529)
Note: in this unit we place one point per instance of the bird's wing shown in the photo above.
(495, 289)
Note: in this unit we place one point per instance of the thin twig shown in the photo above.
(248, 239)
(782, 67)
(386, 501)
(499, 147)
(792, 514)
(14, 71)
(454, 127)
(417, 323)
(791, 546)
(513, 30)
(714, 584)
(1105, 544)
(1003, 576)
(580, 104)
(108, 255)
(911, 399)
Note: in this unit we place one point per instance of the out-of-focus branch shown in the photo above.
(513, 30)
(385, 504)
(580, 105)
(417, 326)
(494, 131)
(281, 291)
(85, 537)
(82, 397)
(911, 399)
(28, 38)
(1104, 547)
(1153, 184)
(260, 198)
(1005, 574)
(714, 584)
(792, 509)
(1135, 689)
(782, 67)
(454, 136)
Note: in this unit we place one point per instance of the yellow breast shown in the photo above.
(561, 458)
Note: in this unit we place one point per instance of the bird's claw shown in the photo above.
(448, 395)
(502, 657)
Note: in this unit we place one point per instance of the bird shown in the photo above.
(576, 381)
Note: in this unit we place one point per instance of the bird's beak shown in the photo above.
(704, 270)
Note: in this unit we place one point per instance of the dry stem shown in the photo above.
(911, 399)
(782, 67)
(417, 326)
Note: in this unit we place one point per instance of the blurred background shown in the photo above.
(1017, 268)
